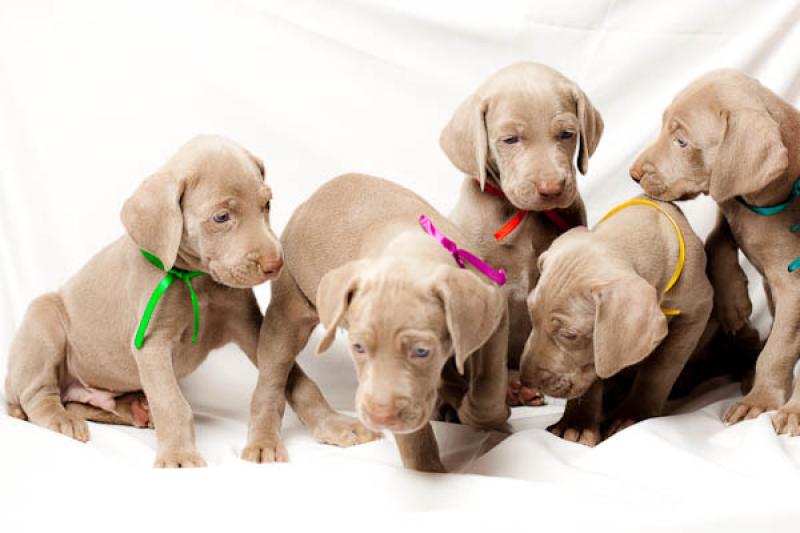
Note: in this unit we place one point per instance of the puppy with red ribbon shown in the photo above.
(516, 140)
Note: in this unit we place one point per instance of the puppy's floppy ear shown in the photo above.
(591, 125)
(258, 162)
(473, 310)
(750, 156)
(464, 139)
(152, 216)
(334, 294)
(628, 324)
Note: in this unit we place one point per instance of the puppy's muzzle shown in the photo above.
(393, 415)
(551, 383)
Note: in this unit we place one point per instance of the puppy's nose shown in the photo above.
(381, 413)
(636, 174)
(550, 188)
(270, 266)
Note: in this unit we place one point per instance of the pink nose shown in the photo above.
(550, 188)
(636, 174)
(382, 413)
(270, 267)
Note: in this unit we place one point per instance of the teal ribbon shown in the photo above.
(172, 274)
(778, 208)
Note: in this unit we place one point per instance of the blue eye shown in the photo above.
(358, 348)
(566, 134)
(513, 139)
(221, 218)
(681, 142)
(421, 352)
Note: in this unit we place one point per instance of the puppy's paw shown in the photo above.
(732, 307)
(179, 459)
(588, 435)
(750, 407)
(518, 394)
(345, 431)
(70, 425)
(266, 451)
(140, 412)
(787, 420)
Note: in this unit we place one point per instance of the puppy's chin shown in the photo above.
(536, 202)
(239, 278)
(675, 192)
(401, 427)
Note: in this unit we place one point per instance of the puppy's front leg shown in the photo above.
(171, 413)
(732, 306)
(773, 378)
(419, 450)
(657, 374)
(581, 419)
(484, 405)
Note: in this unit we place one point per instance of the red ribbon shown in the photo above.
(516, 220)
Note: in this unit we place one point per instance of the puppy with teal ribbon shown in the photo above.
(728, 136)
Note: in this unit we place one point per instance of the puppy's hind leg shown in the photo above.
(35, 364)
(131, 409)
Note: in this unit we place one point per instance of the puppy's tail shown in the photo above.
(720, 355)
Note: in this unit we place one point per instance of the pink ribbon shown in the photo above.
(498, 276)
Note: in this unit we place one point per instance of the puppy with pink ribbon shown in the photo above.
(426, 320)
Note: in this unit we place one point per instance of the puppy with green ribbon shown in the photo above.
(111, 344)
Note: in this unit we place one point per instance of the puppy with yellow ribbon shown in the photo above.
(631, 292)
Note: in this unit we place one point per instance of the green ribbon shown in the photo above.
(172, 274)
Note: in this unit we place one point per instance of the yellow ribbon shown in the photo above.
(681, 244)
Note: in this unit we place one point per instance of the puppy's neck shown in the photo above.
(648, 249)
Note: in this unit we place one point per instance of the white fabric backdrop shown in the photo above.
(95, 95)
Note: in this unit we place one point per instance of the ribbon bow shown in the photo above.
(498, 276)
(172, 274)
(774, 210)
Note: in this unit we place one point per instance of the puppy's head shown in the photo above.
(522, 128)
(590, 319)
(403, 326)
(717, 137)
(209, 207)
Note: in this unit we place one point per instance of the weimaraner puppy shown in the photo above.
(617, 296)
(729, 136)
(87, 352)
(516, 139)
(358, 257)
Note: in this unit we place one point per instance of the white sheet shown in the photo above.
(95, 95)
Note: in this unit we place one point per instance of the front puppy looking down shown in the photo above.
(87, 351)
(518, 139)
(358, 258)
(611, 298)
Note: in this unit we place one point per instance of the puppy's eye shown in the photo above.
(565, 134)
(567, 334)
(221, 218)
(359, 348)
(681, 142)
(511, 139)
(268, 205)
(420, 352)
